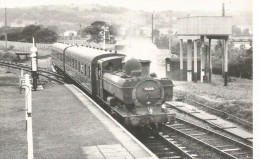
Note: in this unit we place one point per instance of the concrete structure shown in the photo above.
(174, 72)
(195, 30)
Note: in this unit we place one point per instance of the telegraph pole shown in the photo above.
(170, 35)
(80, 25)
(152, 27)
(5, 28)
(223, 9)
(223, 44)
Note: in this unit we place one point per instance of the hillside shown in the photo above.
(70, 17)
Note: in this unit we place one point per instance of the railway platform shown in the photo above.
(66, 124)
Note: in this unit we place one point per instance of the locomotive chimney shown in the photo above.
(145, 67)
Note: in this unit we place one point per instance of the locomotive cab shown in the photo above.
(107, 65)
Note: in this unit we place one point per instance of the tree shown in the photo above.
(39, 33)
(236, 31)
(245, 32)
(96, 31)
(25, 34)
(15, 36)
(175, 49)
(218, 49)
(30, 31)
(141, 32)
(156, 33)
(93, 32)
(46, 36)
(162, 42)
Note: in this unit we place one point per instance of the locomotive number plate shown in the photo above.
(149, 88)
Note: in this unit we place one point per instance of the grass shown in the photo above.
(236, 98)
(8, 77)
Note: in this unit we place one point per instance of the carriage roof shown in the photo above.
(88, 54)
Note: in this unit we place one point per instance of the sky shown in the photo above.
(147, 5)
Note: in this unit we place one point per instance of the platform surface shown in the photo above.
(66, 124)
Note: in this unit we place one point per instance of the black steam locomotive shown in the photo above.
(132, 95)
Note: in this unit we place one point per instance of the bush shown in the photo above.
(40, 34)
(240, 61)
(8, 57)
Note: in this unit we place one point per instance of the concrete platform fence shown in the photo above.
(22, 46)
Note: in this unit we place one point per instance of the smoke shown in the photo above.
(144, 49)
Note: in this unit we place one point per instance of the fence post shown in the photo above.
(21, 80)
(26, 91)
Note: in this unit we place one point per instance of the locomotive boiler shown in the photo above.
(131, 94)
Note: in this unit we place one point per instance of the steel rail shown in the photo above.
(28, 70)
(196, 128)
(29, 67)
(221, 113)
(184, 153)
(207, 121)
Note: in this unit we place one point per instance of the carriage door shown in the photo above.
(99, 84)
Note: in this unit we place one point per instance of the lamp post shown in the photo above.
(34, 65)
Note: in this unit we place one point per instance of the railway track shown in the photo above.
(211, 122)
(163, 147)
(204, 142)
(48, 74)
(220, 113)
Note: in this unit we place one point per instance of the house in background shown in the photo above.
(70, 35)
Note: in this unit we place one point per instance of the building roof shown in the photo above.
(205, 25)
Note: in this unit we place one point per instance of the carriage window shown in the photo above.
(73, 63)
(76, 66)
(85, 70)
(89, 75)
(82, 69)
(108, 66)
